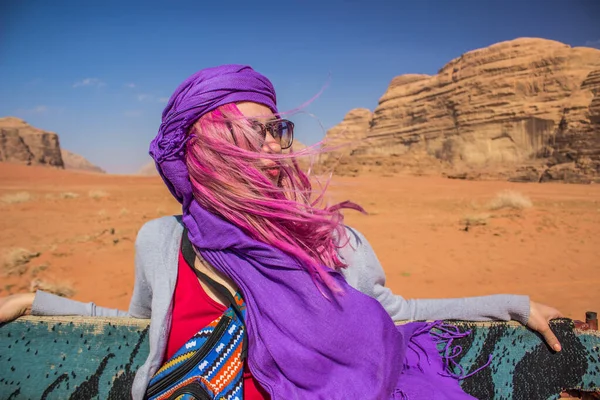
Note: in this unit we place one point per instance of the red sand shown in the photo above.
(550, 251)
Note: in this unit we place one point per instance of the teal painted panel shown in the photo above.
(96, 358)
(522, 366)
(71, 357)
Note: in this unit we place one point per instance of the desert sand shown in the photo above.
(83, 225)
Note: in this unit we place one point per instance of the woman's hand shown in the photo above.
(14, 306)
(539, 317)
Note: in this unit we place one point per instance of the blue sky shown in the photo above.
(99, 72)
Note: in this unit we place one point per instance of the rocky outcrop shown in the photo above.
(592, 83)
(343, 138)
(514, 106)
(25, 144)
(77, 162)
(22, 143)
(353, 128)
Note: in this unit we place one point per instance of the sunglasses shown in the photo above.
(282, 131)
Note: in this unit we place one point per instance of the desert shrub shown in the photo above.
(63, 289)
(97, 194)
(68, 195)
(16, 261)
(475, 220)
(510, 199)
(39, 268)
(15, 198)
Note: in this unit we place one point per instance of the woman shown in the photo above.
(317, 312)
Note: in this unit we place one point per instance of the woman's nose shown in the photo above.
(271, 145)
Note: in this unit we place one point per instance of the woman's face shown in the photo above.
(263, 114)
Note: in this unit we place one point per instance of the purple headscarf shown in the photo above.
(199, 94)
(301, 345)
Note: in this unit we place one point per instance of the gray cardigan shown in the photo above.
(156, 258)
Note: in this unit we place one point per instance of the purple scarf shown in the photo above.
(301, 345)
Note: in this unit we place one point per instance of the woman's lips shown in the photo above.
(273, 171)
(271, 168)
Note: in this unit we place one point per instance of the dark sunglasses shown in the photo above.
(282, 131)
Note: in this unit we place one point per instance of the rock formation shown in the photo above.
(75, 161)
(526, 109)
(25, 144)
(22, 143)
(352, 129)
(343, 138)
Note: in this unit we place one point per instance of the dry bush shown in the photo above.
(64, 195)
(37, 269)
(68, 195)
(16, 261)
(15, 198)
(81, 239)
(475, 220)
(97, 194)
(103, 215)
(510, 199)
(60, 289)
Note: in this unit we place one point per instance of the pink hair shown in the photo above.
(223, 159)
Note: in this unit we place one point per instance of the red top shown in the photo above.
(193, 309)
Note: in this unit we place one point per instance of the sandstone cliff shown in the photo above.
(22, 143)
(75, 161)
(343, 138)
(525, 109)
(353, 128)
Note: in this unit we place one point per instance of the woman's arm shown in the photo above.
(365, 273)
(49, 304)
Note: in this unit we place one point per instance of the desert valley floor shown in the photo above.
(83, 225)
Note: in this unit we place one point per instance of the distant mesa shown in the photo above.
(148, 169)
(24, 144)
(523, 110)
(75, 161)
